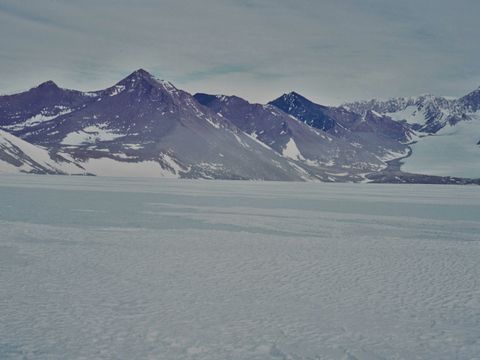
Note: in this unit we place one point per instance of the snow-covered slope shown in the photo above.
(328, 157)
(370, 132)
(39, 107)
(144, 126)
(448, 132)
(452, 151)
(17, 155)
(425, 113)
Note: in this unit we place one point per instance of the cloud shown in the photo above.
(329, 50)
(215, 71)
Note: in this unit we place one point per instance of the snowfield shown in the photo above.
(112, 268)
(457, 147)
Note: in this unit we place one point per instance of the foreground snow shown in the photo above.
(105, 268)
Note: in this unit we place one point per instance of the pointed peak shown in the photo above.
(142, 76)
(139, 74)
(291, 98)
(48, 85)
(294, 94)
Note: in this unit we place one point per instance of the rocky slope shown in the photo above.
(372, 132)
(330, 158)
(143, 126)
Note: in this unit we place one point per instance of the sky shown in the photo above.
(331, 51)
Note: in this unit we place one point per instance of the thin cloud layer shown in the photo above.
(328, 50)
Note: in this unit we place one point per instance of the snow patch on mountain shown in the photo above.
(117, 89)
(411, 114)
(172, 164)
(392, 155)
(37, 119)
(291, 151)
(90, 135)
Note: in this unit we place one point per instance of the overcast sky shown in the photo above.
(329, 50)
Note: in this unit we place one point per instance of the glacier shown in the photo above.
(123, 268)
(457, 146)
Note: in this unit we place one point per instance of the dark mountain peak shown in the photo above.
(289, 98)
(286, 102)
(143, 77)
(141, 74)
(205, 99)
(208, 99)
(47, 85)
(143, 85)
(305, 110)
(294, 95)
(138, 76)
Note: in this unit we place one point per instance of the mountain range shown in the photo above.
(143, 126)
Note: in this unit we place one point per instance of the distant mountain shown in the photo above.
(18, 156)
(447, 131)
(328, 157)
(143, 126)
(21, 113)
(312, 114)
(426, 113)
(372, 132)
(470, 103)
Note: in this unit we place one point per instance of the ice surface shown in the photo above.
(453, 151)
(112, 268)
(110, 167)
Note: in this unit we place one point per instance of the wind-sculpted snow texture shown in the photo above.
(109, 268)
